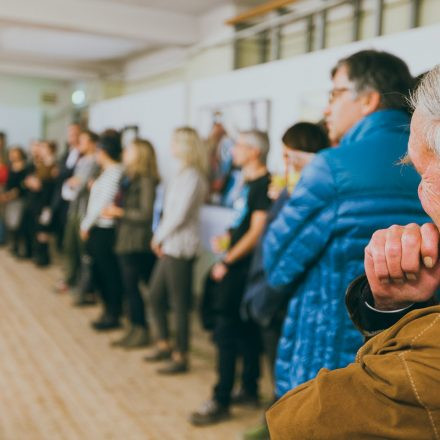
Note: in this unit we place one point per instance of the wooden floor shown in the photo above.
(60, 380)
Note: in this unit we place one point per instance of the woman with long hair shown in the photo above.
(133, 209)
(176, 242)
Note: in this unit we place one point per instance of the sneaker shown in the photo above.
(209, 413)
(158, 355)
(243, 398)
(174, 367)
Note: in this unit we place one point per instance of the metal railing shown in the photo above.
(267, 35)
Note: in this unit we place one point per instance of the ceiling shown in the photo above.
(92, 37)
(194, 7)
(64, 45)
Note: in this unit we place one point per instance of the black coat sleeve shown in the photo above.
(369, 321)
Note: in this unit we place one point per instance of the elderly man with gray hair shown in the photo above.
(392, 390)
(232, 336)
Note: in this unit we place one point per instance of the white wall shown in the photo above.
(23, 115)
(297, 89)
(157, 113)
(21, 124)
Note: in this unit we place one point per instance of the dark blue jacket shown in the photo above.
(261, 302)
(318, 240)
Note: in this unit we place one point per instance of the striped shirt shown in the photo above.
(102, 194)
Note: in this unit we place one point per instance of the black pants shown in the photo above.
(27, 231)
(73, 249)
(107, 273)
(59, 221)
(235, 338)
(134, 268)
(171, 284)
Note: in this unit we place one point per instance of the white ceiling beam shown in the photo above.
(39, 70)
(112, 19)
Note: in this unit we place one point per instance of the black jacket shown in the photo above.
(369, 321)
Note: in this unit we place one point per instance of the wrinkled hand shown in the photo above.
(219, 271)
(402, 265)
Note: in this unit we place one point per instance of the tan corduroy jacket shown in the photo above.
(392, 391)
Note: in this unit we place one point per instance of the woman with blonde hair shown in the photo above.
(176, 242)
(133, 209)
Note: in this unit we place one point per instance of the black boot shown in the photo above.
(106, 322)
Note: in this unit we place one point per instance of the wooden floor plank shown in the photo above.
(60, 380)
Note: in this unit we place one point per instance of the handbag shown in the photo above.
(13, 214)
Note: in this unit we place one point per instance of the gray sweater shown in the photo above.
(179, 230)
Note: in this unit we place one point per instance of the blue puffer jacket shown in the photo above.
(318, 240)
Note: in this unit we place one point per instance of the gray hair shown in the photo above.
(426, 98)
(259, 140)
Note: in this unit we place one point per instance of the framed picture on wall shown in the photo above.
(129, 134)
(235, 117)
(220, 125)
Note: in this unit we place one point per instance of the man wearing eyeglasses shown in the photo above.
(346, 193)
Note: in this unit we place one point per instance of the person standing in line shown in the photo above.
(234, 337)
(46, 173)
(75, 191)
(59, 206)
(261, 303)
(13, 197)
(4, 172)
(316, 244)
(176, 242)
(27, 227)
(99, 231)
(391, 389)
(133, 210)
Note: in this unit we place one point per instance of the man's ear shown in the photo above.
(370, 102)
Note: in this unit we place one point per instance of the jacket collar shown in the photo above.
(377, 121)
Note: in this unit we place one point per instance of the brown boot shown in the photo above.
(139, 338)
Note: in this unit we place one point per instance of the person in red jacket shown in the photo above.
(3, 179)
